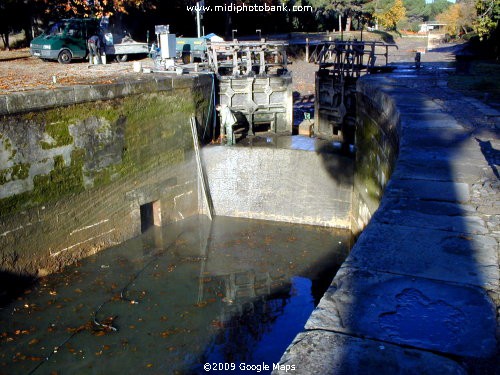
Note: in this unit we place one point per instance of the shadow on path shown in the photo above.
(491, 155)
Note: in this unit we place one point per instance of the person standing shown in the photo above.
(227, 121)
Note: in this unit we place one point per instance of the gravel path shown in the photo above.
(20, 72)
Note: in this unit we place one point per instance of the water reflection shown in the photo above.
(231, 290)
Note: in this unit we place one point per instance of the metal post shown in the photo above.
(249, 61)
(236, 70)
(329, 49)
(307, 49)
(201, 175)
(362, 27)
(262, 62)
(198, 22)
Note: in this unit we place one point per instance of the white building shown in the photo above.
(431, 26)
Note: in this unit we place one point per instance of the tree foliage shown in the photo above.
(480, 15)
(87, 8)
(459, 18)
(392, 16)
(360, 10)
(415, 10)
(434, 8)
(488, 17)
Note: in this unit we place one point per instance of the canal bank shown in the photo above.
(419, 293)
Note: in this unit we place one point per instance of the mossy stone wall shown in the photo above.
(377, 144)
(74, 172)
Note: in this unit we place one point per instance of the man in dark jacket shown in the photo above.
(94, 46)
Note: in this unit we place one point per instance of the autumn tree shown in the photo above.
(459, 17)
(392, 16)
(88, 8)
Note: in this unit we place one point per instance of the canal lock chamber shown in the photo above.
(100, 174)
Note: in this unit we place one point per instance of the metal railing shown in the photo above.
(351, 58)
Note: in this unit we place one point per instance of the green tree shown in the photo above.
(346, 9)
(415, 13)
(434, 8)
(488, 16)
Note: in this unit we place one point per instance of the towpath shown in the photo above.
(419, 292)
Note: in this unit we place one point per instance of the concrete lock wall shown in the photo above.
(77, 164)
(280, 184)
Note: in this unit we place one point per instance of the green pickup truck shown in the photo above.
(67, 40)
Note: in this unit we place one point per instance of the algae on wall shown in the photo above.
(67, 150)
(377, 148)
(72, 178)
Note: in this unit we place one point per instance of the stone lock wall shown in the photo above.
(377, 143)
(77, 163)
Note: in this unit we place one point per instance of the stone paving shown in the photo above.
(419, 292)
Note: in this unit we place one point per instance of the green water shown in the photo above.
(231, 291)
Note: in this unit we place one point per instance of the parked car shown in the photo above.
(66, 40)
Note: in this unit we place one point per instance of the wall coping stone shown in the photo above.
(26, 101)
